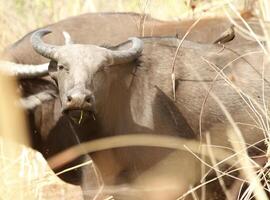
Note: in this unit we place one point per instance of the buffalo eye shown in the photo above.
(60, 67)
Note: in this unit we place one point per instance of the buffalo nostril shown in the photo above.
(69, 98)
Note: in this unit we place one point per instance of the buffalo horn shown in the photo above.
(46, 50)
(23, 70)
(126, 56)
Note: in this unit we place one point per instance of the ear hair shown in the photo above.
(52, 66)
(52, 71)
(67, 37)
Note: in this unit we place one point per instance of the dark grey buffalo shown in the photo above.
(87, 74)
(129, 89)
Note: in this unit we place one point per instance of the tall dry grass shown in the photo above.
(16, 20)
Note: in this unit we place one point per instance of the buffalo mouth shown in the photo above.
(79, 116)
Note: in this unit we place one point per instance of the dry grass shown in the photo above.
(16, 20)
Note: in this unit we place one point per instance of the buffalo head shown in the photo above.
(75, 68)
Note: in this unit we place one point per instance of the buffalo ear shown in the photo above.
(52, 66)
(53, 70)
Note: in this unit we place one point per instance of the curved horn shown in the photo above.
(23, 70)
(126, 56)
(46, 50)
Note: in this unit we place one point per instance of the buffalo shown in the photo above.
(86, 74)
(20, 58)
(128, 88)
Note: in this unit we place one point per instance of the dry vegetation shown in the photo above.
(18, 17)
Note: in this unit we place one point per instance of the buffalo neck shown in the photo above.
(114, 105)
